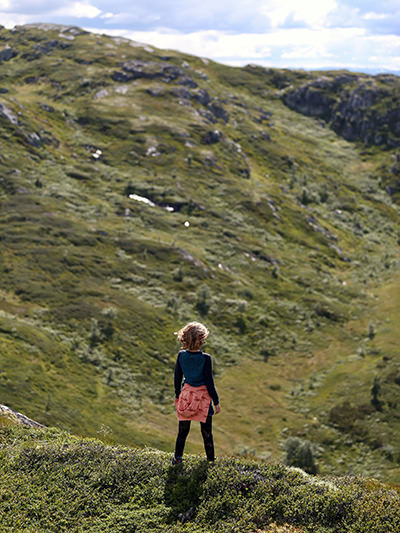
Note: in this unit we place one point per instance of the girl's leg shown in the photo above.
(183, 432)
(206, 431)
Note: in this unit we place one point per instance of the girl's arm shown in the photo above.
(178, 376)
(208, 377)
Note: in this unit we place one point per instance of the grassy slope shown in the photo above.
(53, 481)
(93, 283)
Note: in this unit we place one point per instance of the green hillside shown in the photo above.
(142, 188)
(53, 482)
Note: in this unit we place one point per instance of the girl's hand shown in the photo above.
(217, 408)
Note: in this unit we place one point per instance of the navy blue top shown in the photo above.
(197, 369)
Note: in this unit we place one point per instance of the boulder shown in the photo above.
(182, 92)
(46, 107)
(188, 82)
(212, 137)
(6, 113)
(203, 97)
(7, 53)
(218, 111)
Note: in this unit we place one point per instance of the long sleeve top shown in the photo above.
(196, 368)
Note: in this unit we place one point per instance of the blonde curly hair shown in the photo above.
(192, 336)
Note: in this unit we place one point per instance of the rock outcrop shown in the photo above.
(18, 418)
(133, 70)
(354, 107)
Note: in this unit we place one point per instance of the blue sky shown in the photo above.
(361, 35)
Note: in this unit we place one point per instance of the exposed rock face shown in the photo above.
(150, 70)
(352, 107)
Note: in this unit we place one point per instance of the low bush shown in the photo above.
(52, 481)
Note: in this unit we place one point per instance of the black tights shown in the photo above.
(206, 431)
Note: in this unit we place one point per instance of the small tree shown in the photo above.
(375, 391)
(203, 300)
(299, 453)
(371, 331)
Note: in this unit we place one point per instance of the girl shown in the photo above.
(193, 401)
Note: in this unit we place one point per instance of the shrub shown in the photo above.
(299, 453)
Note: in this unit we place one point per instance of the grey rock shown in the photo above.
(149, 70)
(353, 112)
(188, 82)
(20, 418)
(7, 53)
(46, 107)
(208, 116)
(203, 97)
(216, 108)
(212, 137)
(182, 92)
(33, 139)
(101, 94)
(6, 113)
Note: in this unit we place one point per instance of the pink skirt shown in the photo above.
(193, 403)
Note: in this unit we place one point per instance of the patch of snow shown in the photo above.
(142, 199)
(169, 208)
(186, 224)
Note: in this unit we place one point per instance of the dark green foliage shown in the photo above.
(375, 392)
(203, 300)
(52, 481)
(299, 453)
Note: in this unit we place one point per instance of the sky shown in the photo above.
(359, 35)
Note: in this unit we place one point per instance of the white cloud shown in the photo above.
(311, 12)
(77, 10)
(9, 20)
(375, 16)
(292, 48)
(309, 52)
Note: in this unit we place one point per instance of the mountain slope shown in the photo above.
(143, 188)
